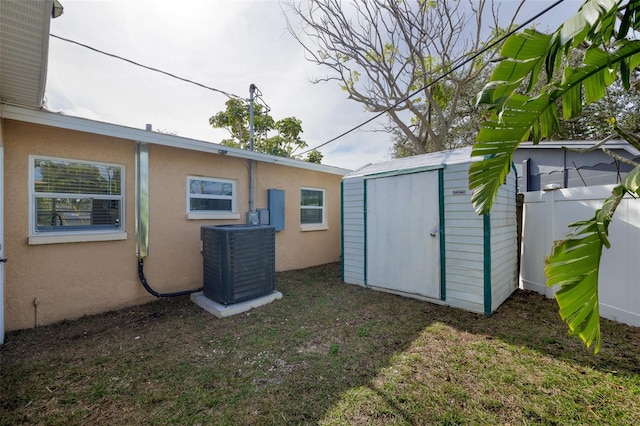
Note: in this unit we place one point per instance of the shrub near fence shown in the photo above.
(545, 219)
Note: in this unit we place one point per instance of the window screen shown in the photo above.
(211, 195)
(70, 195)
(312, 206)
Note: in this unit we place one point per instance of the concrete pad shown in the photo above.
(221, 311)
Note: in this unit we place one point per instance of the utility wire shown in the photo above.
(418, 91)
(227, 94)
(260, 100)
(441, 77)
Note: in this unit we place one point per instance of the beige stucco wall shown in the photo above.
(74, 279)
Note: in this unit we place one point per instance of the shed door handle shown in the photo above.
(3, 260)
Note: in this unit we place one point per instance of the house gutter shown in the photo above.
(68, 122)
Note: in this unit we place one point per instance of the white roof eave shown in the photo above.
(24, 36)
(123, 132)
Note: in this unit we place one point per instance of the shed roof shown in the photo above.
(435, 160)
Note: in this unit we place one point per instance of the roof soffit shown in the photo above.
(24, 48)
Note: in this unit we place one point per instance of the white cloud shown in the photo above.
(227, 45)
(223, 44)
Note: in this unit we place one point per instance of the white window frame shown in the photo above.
(212, 214)
(74, 235)
(315, 226)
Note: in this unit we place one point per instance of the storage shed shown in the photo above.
(408, 227)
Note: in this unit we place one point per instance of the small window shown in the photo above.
(312, 209)
(70, 196)
(211, 198)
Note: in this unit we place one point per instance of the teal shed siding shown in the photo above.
(478, 254)
(353, 231)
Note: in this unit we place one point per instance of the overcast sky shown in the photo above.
(225, 44)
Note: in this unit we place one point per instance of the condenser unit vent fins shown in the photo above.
(239, 262)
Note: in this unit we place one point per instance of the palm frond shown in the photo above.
(515, 117)
(574, 265)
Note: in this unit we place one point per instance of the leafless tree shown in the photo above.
(383, 51)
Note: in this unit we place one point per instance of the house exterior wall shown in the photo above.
(296, 248)
(69, 280)
(568, 169)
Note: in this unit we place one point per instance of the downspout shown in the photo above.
(142, 217)
(252, 90)
(142, 198)
(2, 259)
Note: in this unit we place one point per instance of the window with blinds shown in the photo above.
(71, 195)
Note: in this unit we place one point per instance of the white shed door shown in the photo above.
(402, 214)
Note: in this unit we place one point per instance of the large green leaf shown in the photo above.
(601, 18)
(630, 19)
(575, 28)
(496, 142)
(574, 265)
(515, 117)
(631, 182)
(524, 56)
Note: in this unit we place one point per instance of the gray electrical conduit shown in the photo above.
(142, 218)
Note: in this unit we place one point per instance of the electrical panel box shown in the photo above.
(239, 262)
(263, 215)
(253, 218)
(276, 208)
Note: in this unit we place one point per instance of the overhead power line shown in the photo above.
(227, 94)
(259, 99)
(411, 95)
(440, 77)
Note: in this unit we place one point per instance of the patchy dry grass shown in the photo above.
(327, 353)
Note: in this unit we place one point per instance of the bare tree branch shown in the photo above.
(382, 51)
(620, 157)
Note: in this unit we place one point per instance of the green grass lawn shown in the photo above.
(327, 353)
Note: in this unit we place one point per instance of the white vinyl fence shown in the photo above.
(545, 219)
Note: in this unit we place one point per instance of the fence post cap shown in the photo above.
(551, 187)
